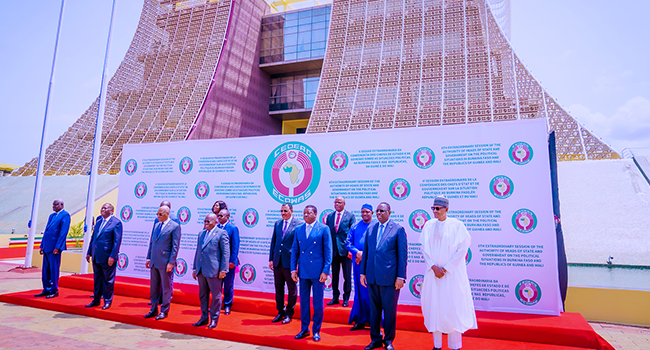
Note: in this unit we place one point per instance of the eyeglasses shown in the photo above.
(206, 222)
(437, 208)
(285, 211)
(221, 216)
(381, 211)
(160, 214)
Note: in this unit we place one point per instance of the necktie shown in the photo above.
(104, 221)
(156, 232)
(205, 236)
(338, 221)
(284, 229)
(308, 230)
(381, 232)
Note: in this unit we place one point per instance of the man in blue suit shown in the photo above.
(280, 263)
(339, 223)
(383, 271)
(210, 267)
(233, 238)
(52, 245)
(103, 249)
(161, 258)
(311, 259)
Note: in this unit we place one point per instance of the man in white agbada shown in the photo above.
(447, 304)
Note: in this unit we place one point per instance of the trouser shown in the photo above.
(211, 306)
(229, 287)
(161, 288)
(338, 263)
(50, 272)
(104, 281)
(282, 275)
(307, 285)
(382, 298)
(454, 340)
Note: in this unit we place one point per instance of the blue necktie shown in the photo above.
(205, 235)
(284, 230)
(381, 232)
(156, 232)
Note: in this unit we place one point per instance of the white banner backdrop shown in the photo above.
(496, 176)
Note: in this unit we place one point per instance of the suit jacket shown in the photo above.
(311, 256)
(281, 246)
(212, 256)
(163, 251)
(56, 232)
(339, 237)
(106, 243)
(233, 237)
(383, 264)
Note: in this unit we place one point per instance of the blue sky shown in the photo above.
(591, 55)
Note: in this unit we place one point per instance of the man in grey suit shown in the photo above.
(339, 223)
(383, 271)
(280, 263)
(210, 267)
(161, 258)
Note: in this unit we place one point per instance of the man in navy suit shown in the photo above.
(103, 249)
(280, 263)
(233, 238)
(383, 271)
(339, 223)
(210, 267)
(155, 222)
(161, 258)
(52, 245)
(311, 258)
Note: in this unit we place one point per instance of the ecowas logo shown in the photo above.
(524, 220)
(417, 220)
(249, 163)
(250, 217)
(186, 165)
(339, 161)
(247, 273)
(400, 189)
(122, 261)
(520, 153)
(416, 285)
(424, 157)
(184, 215)
(181, 267)
(468, 256)
(324, 214)
(528, 292)
(140, 190)
(130, 167)
(501, 187)
(328, 283)
(202, 190)
(126, 213)
(292, 172)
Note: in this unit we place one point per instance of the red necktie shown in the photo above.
(338, 220)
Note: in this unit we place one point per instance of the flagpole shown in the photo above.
(33, 219)
(94, 164)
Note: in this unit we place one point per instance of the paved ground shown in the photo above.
(44, 329)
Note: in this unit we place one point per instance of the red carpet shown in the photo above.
(13, 253)
(252, 312)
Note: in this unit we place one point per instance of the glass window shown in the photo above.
(319, 35)
(319, 25)
(290, 39)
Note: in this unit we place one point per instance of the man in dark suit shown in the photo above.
(161, 258)
(280, 263)
(210, 267)
(311, 259)
(155, 222)
(383, 271)
(52, 245)
(103, 249)
(339, 223)
(233, 238)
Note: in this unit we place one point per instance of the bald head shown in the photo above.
(210, 221)
(163, 213)
(223, 216)
(57, 205)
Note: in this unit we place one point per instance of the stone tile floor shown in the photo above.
(28, 328)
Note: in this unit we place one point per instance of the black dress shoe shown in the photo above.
(302, 334)
(389, 345)
(53, 295)
(226, 310)
(42, 294)
(346, 303)
(149, 303)
(93, 304)
(286, 320)
(279, 317)
(437, 348)
(358, 326)
(161, 316)
(316, 337)
(374, 345)
(213, 324)
(333, 302)
(201, 322)
(152, 313)
(106, 305)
